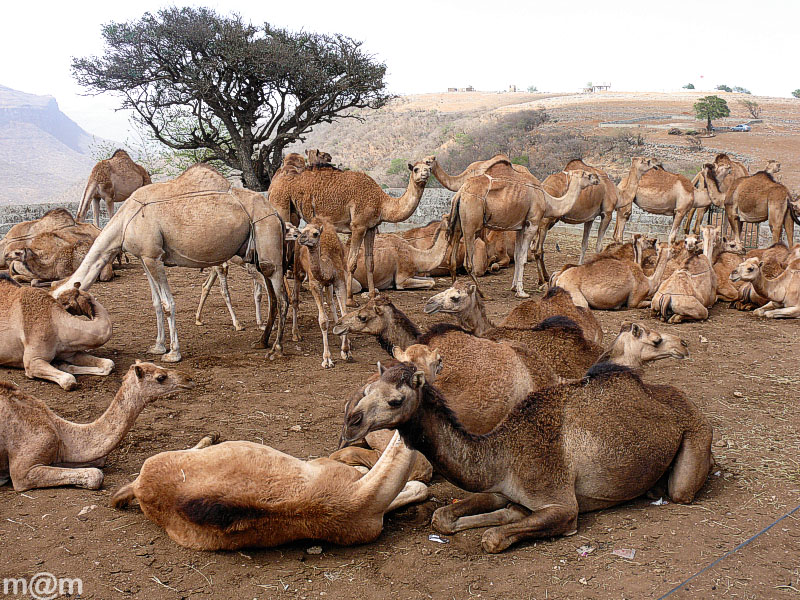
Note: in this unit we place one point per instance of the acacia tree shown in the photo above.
(247, 91)
(711, 107)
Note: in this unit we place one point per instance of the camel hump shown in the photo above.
(200, 177)
(607, 370)
(120, 153)
(559, 322)
(219, 513)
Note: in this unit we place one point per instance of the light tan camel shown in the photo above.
(196, 220)
(320, 255)
(726, 172)
(557, 339)
(661, 192)
(241, 494)
(352, 201)
(567, 449)
(775, 257)
(595, 201)
(39, 449)
(783, 291)
(645, 258)
(479, 167)
(51, 256)
(112, 180)
(503, 198)
(423, 238)
(627, 192)
(36, 329)
(481, 395)
(612, 283)
(401, 265)
(727, 260)
(690, 291)
(760, 198)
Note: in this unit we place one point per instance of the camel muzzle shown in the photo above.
(340, 329)
(433, 306)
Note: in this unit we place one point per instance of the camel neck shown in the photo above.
(90, 441)
(401, 332)
(616, 355)
(629, 186)
(395, 210)
(655, 280)
(773, 289)
(558, 207)
(451, 182)
(427, 260)
(466, 460)
(476, 321)
(321, 267)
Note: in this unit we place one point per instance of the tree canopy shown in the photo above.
(237, 92)
(711, 107)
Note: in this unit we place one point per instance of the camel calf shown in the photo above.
(241, 494)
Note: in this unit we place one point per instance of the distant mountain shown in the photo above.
(44, 155)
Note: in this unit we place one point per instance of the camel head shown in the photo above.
(429, 160)
(692, 244)
(18, 261)
(292, 233)
(773, 166)
(148, 382)
(318, 157)
(733, 245)
(310, 235)
(424, 357)
(721, 171)
(711, 240)
(583, 178)
(459, 298)
(642, 164)
(639, 344)
(747, 270)
(420, 172)
(76, 302)
(383, 404)
(372, 318)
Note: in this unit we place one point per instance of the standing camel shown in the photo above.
(503, 198)
(594, 201)
(726, 172)
(351, 200)
(113, 180)
(627, 192)
(196, 220)
(760, 198)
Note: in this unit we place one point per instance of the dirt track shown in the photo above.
(744, 377)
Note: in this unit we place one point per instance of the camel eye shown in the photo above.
(657, 342)
(395, 402)
(362, 318)
(161, 377)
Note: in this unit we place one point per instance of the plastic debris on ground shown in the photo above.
(585, 550)
(438, 539)
(660, 502)
(628, 553)
(314, 550)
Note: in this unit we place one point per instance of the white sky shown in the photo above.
(431, 45)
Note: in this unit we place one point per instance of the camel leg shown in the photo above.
(209, 283)
(700, 215)
(160, 346)
(369, 260)
(587, 229)
(40, 476)
(413, 491)
(759, 312)
(296, 337)
(81, 363)
(733, 220)
(623, 214)
(356, 238)
(339, 294)
(691, 466)
(226, 295)
(524, 237)
(258, 292)
(278, 304)
(446, 519)
(416, 283)
(538, 252)
(789, 312)
(156, 267)
(550, 521)
(788, 225)
(776, 227)
(676, 224)
(318, 293)
(688, 225)
(41, 369)
(605, 221)
(96, 211)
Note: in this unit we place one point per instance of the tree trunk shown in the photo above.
(708, 126)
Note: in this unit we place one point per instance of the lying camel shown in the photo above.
(36, 329)
(783, 291)
(483, 378)
(691, 290)
(40, 449)
(19, 235)
(611, 283)
(424, 237)
(400, 264)
(556, 339)
(50, 257)
(726, 261)
(572, 448)
(241, 494)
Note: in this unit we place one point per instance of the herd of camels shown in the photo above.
(533, 414)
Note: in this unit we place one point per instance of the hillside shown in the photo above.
(44, 155)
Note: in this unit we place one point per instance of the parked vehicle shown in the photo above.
(742, 127)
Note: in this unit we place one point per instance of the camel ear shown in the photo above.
(321, 227)
(399, 354)
(139, 371)
(410, 167)
(471, 288)
(381, 368)
(636, 330)
(626, 326)
(77, 285)
(417, 379)
(760, 264)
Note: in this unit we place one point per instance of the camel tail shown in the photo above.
(123, 496)
(455, 205)
(666, 311)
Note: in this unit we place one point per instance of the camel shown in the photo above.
(400, 264)
(241, 495)
(783, 291)
(500, 245)
(758, 198)
(423, 239)
(51, 257)
(612, 283)
(776, 257)
(112, 180)
(726, 172)
(161, 225)
(320, 255)
(731, 254)
(557, 339)
(351, 200)
(502, 198)
(37, 329)
(484, 378)
(627, 192)
(646, 257)
(221, 272)
(318, 158)
(690, 291)
(454, 182)
(39, 449)
(567, 449)
(600, 200)
(662, 193)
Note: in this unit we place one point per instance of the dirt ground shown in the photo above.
(743, 373)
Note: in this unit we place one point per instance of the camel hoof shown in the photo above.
(238, 327)
(296, 337)
(522, 294)
(443, 522)
(348, 356)
(258, 344)
(493, 542)
(327, 363)
(157, 349)
(70, 384)
(171, 357)
(198, 322)
(262, 327)
(94, 480)
(351, 303)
